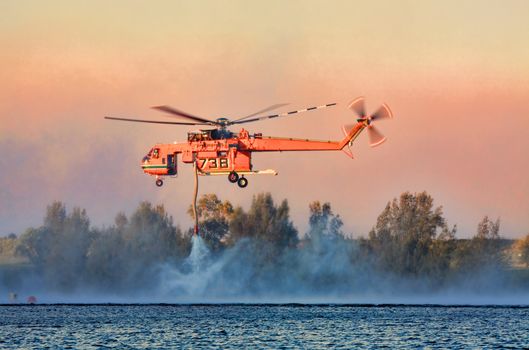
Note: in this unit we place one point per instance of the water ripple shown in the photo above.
(261, 326)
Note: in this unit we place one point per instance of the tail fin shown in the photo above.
(350, 132)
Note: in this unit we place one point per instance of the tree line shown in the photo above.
(411, 240)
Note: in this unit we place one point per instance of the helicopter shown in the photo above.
(218, 151)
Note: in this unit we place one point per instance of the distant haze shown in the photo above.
(455, 73)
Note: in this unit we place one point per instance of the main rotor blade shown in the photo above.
(270, 108)
(382, 113)
(174, 111)
(283, 114)
(375, 137)
(153, 121)
(358, 106)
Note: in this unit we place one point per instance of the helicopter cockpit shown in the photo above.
(153, 153)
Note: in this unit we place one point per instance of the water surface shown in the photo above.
(262, 326)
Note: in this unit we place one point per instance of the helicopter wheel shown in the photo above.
(233, 177)
(243, 182)
(159, 183)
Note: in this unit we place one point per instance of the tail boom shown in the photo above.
(278, 144)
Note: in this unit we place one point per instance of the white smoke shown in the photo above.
(310, 276)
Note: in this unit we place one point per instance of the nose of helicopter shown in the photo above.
(153, 168)
(145, 165)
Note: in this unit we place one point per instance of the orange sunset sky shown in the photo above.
(455, 73)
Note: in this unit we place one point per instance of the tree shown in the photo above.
(265, 222)
(403, 240)
(213, 219)
(521, 247)
(59, 247)
(106, 265)
(127, 254)
(150, 235)
(324, 257)
(67, 252)
(8, 246)
(487, 229)
(34, 244)
(483, 251)
(323, 224)
(486, 243)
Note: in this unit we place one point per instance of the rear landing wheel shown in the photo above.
(233, 177)
(243, 182)
(159, 183)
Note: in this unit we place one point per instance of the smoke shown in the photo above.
(321, 274)
(191, 279)
(325, 270)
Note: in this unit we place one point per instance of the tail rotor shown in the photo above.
(383, 112)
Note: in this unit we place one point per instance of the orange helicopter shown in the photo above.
(218, 151)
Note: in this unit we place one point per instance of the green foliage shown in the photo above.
(34, 244)
(324, 226)
(67, 251)
(411, 237)
(129, 251)
(8, 252)
(59, 246)
(107, 262)
(521, 247)
(488, 230)
(265, 222)
(213, 219)
(487, 243)
(483, 250)
(324, 257)
(7, 245)
(150, 235)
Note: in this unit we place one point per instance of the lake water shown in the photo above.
(262, 326)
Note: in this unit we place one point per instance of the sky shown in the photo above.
(455, 74)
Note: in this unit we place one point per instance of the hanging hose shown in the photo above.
(195, 198)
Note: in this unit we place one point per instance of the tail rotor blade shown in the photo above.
(347, 128)
(348, 152)
(382, 113)
(358, 106)
(364, 121)
(375, 137)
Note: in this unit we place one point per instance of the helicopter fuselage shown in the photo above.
(216, 154)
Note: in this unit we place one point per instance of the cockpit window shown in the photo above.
(147, 156)
(153, 153)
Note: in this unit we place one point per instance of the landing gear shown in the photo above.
(233, 177)
(243, 182)
(159, 182)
